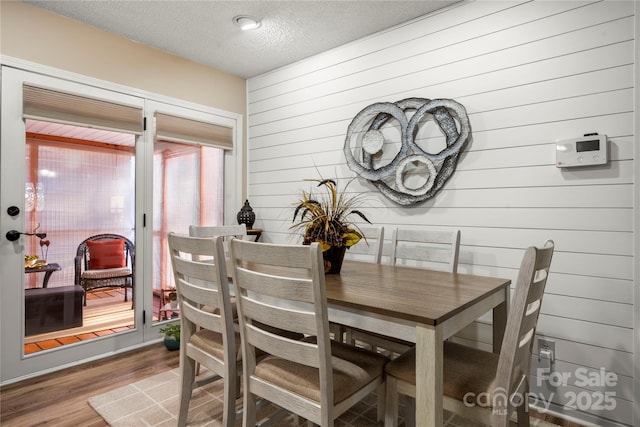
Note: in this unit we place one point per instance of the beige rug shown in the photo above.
(154, 402)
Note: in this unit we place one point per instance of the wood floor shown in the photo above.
(59, 399)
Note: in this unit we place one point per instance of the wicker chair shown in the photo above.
(113, 263)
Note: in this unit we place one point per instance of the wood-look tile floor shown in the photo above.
(60, 398)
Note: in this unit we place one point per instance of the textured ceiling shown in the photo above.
(202, 31)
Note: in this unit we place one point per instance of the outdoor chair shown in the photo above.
(105, 261)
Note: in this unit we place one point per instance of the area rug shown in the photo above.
(154, 401)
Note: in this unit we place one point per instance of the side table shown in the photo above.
(47, 269)
(257, 232)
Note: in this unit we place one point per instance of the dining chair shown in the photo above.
(433, 249)
(368, 249)
(318, 379)
(469, 373)
(207, 335)
(165, 291)
(217, 230)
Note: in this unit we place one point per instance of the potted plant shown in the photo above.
(325, 218)
(171, 336)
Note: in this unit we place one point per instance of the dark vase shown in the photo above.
(171, 344)
(246, 215)
(333, 258)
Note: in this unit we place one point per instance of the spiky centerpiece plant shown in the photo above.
(324, 218)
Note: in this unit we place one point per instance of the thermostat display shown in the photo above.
(586, 151)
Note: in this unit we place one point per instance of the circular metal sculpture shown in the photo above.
(366, 136)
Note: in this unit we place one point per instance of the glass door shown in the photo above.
(76, 161)
(62, 181)
(188, 187)
(79, 184)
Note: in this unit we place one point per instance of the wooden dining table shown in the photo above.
(422, 306)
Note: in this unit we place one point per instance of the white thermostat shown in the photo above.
(588, 150)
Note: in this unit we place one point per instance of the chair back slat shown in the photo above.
(303, 353)
(277, 286)
(293, 319)
(218, 230)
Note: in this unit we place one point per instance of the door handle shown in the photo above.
(13, 235)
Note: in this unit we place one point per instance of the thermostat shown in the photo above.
(588, 150)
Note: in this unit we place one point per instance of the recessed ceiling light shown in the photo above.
(247, 22)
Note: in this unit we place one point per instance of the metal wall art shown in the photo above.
(384, 145)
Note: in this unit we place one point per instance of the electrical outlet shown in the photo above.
(547, 344)
(546, 356)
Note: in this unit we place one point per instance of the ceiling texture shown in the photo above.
(203, 31)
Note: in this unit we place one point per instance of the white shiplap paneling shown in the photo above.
(528, 73)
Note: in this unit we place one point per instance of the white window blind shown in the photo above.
(60, 107)
(178, 129)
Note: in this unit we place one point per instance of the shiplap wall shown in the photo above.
(528, 73)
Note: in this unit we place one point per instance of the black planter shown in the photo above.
(246, 215)
(171, 344)
(333, 258)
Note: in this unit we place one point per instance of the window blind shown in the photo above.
(60, 107)
(178, 129)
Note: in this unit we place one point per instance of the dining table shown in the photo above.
(418, 305)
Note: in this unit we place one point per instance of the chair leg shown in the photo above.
(248, 409)
(187, 379)
(522, 411)
(382, 401)
(391, 403)
(230, 394)
(410, 412)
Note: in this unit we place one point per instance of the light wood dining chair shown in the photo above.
(283, 286)
(433, 249)
(227, 231)
(368, 249)
(207, 335)
(469, 373)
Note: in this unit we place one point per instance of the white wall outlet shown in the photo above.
(546, 355)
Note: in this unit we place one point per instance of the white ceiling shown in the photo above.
(202, 31)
